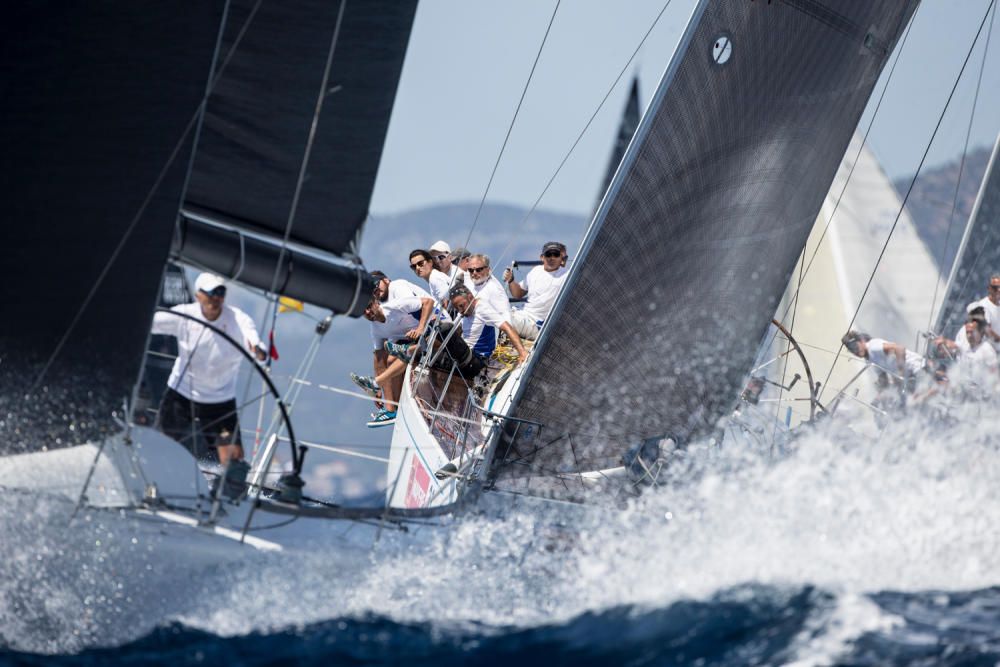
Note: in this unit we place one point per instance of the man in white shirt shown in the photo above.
(976, 368)
(893, 362)
(991, 311)
(405, 318)
(486, 287)
(422, 264)
(481, 324)
(386, 289)
(442, 256)
(202, 385)
(541, 286)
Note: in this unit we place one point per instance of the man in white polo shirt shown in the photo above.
(405, 318)
(541, 286)
(199, 405)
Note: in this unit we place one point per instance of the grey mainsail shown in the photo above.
(978, 255)
(692, 246)
(98, 101)
(261, 119)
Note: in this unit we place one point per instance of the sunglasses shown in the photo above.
(441, 257)
(477, 269)
(219, 292)
(995, 287)
(418, 264)
(552, 253)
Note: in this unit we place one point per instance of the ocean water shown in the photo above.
(847, 549)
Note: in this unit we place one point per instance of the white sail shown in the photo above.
(897, 305)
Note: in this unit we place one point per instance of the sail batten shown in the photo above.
(696, 239)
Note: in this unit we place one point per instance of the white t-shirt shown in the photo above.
(399, 288)
(401, 315)
(439, 285)
(543, 288)
(877, 356)
(492, 292)
(207, 364)
(977, 367)
(479, 330)
(992, 312)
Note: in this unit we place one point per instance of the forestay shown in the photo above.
(695, 241)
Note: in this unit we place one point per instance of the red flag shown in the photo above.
(274, 351)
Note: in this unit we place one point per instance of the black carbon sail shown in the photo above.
(257, 129)
(626, 130)
(978, 255)
(695, 241)
(97, 106)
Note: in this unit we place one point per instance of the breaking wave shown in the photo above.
(866, 550)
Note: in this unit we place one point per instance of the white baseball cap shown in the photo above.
(207, 282)
(441, 246)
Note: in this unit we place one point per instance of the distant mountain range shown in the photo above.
(930, 203)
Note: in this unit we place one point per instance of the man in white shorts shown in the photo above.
(541, 286)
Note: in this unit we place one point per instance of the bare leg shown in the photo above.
(391, 381)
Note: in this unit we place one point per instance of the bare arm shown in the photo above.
(426, 308)
(515, 340)
(516, 290)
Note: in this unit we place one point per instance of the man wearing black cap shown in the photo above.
(541, 286)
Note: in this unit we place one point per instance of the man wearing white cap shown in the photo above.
(201, 392)
(441, 254)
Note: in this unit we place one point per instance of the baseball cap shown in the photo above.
(553, 245)
(207, 282)
(440, 246)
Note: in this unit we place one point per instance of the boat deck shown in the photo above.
(452, 405)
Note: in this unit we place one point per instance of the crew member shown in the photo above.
(199, 405)
(541, 286)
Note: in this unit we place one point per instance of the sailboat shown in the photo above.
(686, 257)
(685, 261)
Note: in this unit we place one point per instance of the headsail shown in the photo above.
(626, 130)
(98, 102)
(978, 256)
(256, 132)
(694, 243)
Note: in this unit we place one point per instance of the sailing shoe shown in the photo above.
(382, 418)
(398, 350)
(367, 384)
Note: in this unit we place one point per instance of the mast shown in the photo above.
(978, 254)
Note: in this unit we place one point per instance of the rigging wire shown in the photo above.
(961, 170)
(513, 120)
(913, 181)
(580, 136)
(126, 235)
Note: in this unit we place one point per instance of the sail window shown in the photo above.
(722, 49)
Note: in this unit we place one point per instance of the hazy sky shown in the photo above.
(468, 61)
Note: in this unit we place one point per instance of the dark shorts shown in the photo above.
(200, 427)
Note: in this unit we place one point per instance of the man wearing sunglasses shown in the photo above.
(422, 264)
(199, 407)
(541, 286)
(485, 287)
(444, 261)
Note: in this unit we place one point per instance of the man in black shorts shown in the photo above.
(199, 407)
